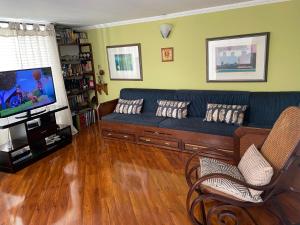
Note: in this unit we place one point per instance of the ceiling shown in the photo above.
(91, 12)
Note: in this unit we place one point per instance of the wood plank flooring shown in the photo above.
(101, 182)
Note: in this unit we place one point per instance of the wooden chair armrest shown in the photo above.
(107, 107)
(197, 184)
(230, 178)
(188, 170)
(246, 136)
(242, 131)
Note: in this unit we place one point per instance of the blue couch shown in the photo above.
(263, 108)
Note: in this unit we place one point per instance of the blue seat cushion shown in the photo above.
(146, 119)
(196, 124)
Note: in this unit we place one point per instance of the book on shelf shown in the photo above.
(83, 35)
(77, 101)
(91, 84)
(85, 119)
(87, 67)
(69, 36)
(76, 84)
(70, 70)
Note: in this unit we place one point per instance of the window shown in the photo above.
(24, 46)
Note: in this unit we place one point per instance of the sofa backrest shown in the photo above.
(150, 97)
(199, 99)
(265, 107)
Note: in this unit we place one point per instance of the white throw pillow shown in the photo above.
(255, 169)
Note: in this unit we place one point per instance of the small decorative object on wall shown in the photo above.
(165, 30)
(125, 62)
(167, 54)
(241, 58)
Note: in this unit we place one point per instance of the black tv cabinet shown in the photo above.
(29, 143)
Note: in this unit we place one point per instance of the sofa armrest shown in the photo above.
(107, 107)
(246, 136)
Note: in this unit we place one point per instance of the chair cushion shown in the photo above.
(139, 119)
(196, 124)
(255, 169)
(230, 114)
(210, 166)
(172, 109)
(129, 106)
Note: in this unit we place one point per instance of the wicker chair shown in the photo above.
(281, 149)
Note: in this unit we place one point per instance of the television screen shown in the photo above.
(23, 90)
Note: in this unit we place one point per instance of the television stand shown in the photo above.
(29, 114)
(29, 144)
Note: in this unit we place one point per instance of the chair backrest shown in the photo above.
(283, 138)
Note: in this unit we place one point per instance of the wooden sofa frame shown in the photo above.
(216, 146)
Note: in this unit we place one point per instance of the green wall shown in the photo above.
(188, 71)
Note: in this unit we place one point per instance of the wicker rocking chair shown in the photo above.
(281, 149)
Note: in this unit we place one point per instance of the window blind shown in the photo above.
(24, 52)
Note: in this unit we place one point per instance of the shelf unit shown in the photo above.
(77, 62)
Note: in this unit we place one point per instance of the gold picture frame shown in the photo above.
(167, 54)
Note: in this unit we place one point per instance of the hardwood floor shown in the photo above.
(101, 182)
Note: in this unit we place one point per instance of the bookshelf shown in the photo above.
(76, 56)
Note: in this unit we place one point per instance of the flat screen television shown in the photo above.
(24, 90)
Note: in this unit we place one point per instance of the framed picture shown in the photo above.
(241, 58)
(167, 54)
(125, 62)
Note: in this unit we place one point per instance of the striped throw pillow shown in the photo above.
(129, 106)
(172, 109)
(231, 114)
(255, 169)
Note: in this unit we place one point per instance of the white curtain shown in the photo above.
(25, 46)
